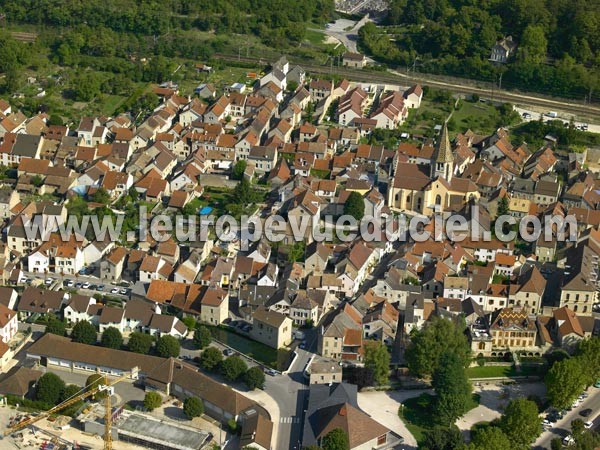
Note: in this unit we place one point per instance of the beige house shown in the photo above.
(324, 371)
(111, 267)
(214, 306)
(578, 295)
(271, 328)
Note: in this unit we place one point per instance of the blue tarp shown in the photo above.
(205, 211)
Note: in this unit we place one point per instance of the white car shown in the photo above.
(70, 283)
(114, 291)
(568, 440)
(86, 285)
(588, 424)
(49, 281)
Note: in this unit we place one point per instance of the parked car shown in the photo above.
(228, 352)
(100, 287)
(78, 285)
(49, 281)
(86, 285)
(586, 412)
(114, 291)
(568, 440)
(270, 371)
(123, 291)
(302, 345)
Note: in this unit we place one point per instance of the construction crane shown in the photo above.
(107, 386)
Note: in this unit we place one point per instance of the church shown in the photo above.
(422, 189)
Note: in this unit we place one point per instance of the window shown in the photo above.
(382, 439)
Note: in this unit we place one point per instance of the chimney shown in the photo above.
(343, 411)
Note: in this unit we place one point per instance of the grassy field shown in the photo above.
(266, 355)
(503, 371)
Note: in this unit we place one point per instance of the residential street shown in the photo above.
(563, 427)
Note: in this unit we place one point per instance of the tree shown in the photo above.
(168, 347)
(521, 423)
(55, 326)
(140, 342)
(210, 359)
(355, 205)
(452, 388)
(233, 368)
(254, 378)
(101, 196)
(430, 342)
(336, 439)
(202, 336)
(189, 321)
(490, 438)
(37, 181)
(152, 400)
(577, 427)
(68, 392)
(556, 444)
(112, 338)
(84, 333)
(361, 376)
(296, 252)
(534, 44)
(238, 170)
(49, 388)
(377, 359)
(193, 407)
(564, 381)
(555, 356)
(503, 208)
(442, 438)
(588, 352)
(92, 382)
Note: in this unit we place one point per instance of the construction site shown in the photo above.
(144, 430)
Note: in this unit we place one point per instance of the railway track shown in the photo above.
(520, 99)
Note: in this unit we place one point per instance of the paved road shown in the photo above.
(563, 426)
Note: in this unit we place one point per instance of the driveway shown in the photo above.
(383, 407)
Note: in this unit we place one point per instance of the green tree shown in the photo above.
(355, 205)
(211, 358)
(152, 400)
(336, 439)
(490, 438)
(452, 388)
(55, 326)
(556, 444)
(140, 342)
(112, 338)
(92, 382)
(49, 388)
(101, 196)
(564, 381)
(233, 368)
(37, 181)
(296, 252)
(190, 322)
(588, 352)
(442, 438)
(238, 170)
(254, 378)
(377, 359)
(534, 45)
(202, 336)
(503, 208)
(577, 428)
(68, 392)
(168, 347)
(521, 423)
(193, 407)
(84, 333)
(428, 344)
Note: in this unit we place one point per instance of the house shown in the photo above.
(19, 382)
(356, 60)
(320, 90)
(8, 297)
(263, 158)
(110, 316)
(413, 96)
(335, 406)
(304, 310)
(503, 50)
(111, 267)
(41, 301)
(341, 336)
(161, 325)
(9, 324)
(80, 307)
(271, 328)
(513, 329)
(324, 371)
(214, 306)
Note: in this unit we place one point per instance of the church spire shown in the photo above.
(443, 148)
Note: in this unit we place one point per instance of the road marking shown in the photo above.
(289, 420)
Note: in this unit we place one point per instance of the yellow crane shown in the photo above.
(107, 386)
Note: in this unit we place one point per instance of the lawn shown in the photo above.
(262, 353)
(416, 413)
(504, 371)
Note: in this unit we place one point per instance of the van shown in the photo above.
(552, 114)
